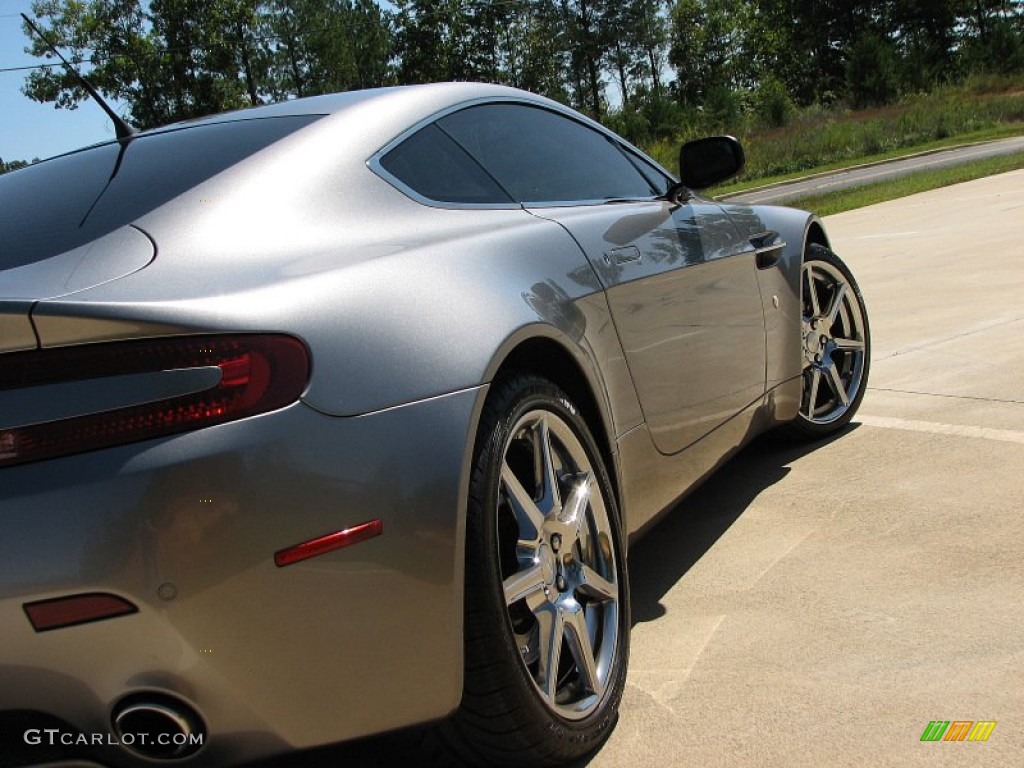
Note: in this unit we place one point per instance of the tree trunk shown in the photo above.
(254, 98)
(296, 76)
(595, 87)
(621, 69)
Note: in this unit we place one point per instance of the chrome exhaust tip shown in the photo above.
(158, 727)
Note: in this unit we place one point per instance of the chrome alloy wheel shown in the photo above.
(558, 564)
(834, 332)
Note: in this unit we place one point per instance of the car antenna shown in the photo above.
(122, 127)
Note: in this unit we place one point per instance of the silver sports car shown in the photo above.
(330, 417)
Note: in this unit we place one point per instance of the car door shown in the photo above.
(680, 279)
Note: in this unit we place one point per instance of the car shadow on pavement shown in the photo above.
(674, 545)
(656, 563)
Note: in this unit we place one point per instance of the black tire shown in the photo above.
(836, 346)
(507, 716)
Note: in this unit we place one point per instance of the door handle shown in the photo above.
(767, 249)
(628, 255)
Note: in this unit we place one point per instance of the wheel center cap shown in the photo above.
(812, 343)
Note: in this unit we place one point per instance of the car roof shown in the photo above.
(431, 97)
(333, 103)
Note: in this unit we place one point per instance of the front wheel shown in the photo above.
(836, 345)
(547, 607)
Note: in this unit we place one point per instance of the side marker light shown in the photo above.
(332, 541)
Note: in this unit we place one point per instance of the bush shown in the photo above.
(650, 117)
(773, 104)
(723, 110)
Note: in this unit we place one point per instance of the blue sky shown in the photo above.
(29, 129)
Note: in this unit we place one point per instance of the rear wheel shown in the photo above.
(836, 345)
(547, 609)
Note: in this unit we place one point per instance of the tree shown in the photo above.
(925, 32)
(432, 41)
(872, 71)
(584, 20)
(171, 60)
(537, 50)
(706, 48)
(324, 46)
(168, 59)
(994, 35)
(13, 165)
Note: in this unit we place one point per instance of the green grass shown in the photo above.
(821, 139)
(1000, 132)
(845, 200)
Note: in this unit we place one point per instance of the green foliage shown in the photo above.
(659, 71)
(650, 115)
(872, 72)
(817, 137)
(999, 51)
(848, 199)
(13, 165)
(723, 109)
(706, 48)
(171, 60)
(772, 103)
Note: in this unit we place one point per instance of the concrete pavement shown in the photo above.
(818, 607)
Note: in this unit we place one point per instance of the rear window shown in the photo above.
(60, 204)
(434, 166)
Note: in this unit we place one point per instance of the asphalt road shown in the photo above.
(818, 606)
(873, 173)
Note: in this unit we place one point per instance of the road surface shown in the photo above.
(819, 184)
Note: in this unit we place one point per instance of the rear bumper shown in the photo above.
(350, 643)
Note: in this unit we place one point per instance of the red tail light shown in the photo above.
(258, 374)
(76, 609)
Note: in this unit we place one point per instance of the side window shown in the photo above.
(540, 156)
(433, 165)
(655, 174)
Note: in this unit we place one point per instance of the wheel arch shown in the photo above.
(815, 234)
(543, 354)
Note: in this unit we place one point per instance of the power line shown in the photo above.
(31, 66)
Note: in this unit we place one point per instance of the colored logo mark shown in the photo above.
(958, 730)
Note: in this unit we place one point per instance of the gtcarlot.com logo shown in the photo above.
(54, 737)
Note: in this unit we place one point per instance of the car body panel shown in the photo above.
(116, 254)
(16, 331)
(314, 652)
(683, 290)
(782, 282)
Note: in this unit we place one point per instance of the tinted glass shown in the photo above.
(655, 174)
(433, 165)
(539, 156)
(60, 204)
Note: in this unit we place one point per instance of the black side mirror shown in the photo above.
(706, 162)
